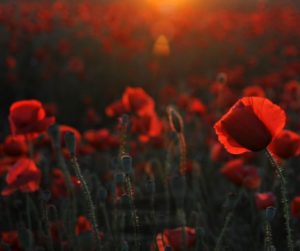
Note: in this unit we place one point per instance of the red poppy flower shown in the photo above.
(83, 225)
(286, 144)
(136, 100)
(6, 163)
(250, 125)
(196, 106)
(101, 139)
(147, 126)
(265, 200)
(65, 128)
(24, 176)
(15, 146)
(58, 187)
(295, 207)
(254, 90)
(28, 117)
(12, 239)
(218, 152)
(240, 174)
(117, 108)
(173, 238)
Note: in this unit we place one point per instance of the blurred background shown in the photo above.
(74, 55)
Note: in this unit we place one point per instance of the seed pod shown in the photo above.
(175, 120)
(126, 163)
(270, 213)
(222, 78)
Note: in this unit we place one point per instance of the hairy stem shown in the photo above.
(90, 204)
(284, 200)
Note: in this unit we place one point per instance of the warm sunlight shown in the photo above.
(167, 6)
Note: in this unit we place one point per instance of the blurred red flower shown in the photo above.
(265, 200)
(83, 225)
(117, 108)
(241, 174)
(173, 238)
(137, 101)
(28, 117)
(295, 207)
(15, 145)
(254, 91)
(101, 139)
(141, 106)
(146, 126)
(65, 128)
(250, 125)
(24, 176)
(286, 144)
(12, 239)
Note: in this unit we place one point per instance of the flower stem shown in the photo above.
(228, 218)
(135, 216)
(268, 245)
(87, 195)
(284, 200)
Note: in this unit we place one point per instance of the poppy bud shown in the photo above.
(265, 200)
(161, 47)
(270, 213)
(126, 163)
(28, 117)
(222, 77)
(175, 120)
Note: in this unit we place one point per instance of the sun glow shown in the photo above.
(167, 6)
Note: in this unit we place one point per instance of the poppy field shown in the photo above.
(163, 125)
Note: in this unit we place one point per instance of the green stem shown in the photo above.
(29, 222)
(284, 200)
(228, 218)
(133, 211)
(268, 237)
(90, 204)
(45, 220)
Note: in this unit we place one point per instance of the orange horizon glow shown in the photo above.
(167, 6)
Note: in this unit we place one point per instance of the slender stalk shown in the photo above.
(182, 149)
(104, 211)
(228, 219)
(284, 200)
(45, 220)
(90, 204)
(135, 216)
(29, 221)
(268, 245)
(28, 209)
